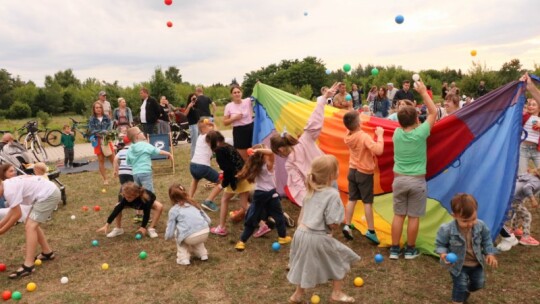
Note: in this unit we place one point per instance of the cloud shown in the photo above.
(215, 41)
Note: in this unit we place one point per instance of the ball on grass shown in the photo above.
(103, 190)
(31, 286)
(315, 299)
(85, 208)
(138, 236)
(379, 258)
(104, 266)
(143, 255)
(95, 243)
(64, 280)
(73, 217)
(6, 295)
(97, 208)
(38, 262)
(276, 246)
(16, 295)
(2, 267)
(358, 282)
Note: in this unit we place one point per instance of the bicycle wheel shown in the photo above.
(39, 152)
(22, 138)
(53, 138)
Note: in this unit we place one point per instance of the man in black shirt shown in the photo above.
(150, 112)
(481, 89)
(203, 104)
(404, 93)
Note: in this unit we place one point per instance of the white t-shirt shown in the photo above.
(27, 190)
(203, 153)
(532, 134)
(143, 112)
(107, 108)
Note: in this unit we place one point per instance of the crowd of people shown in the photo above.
(315, 256)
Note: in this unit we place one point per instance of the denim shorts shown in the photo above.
(199, 172)
(144, 180)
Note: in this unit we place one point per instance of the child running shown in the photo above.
(259, 169)
(189, 224)
(362, 153)
(468, 238)
(316, 257)
(231, 162)
(138, 198)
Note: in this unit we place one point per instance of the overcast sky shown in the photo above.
(215, 41)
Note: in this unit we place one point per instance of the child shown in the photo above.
(300, 153)
(200, 168)
(259, 169)
(43, 196)
(139, 198)
(316, 257)
(470, 239)
(40, 169)
(362, 152)
(139, 156)
(526, 187)
(124, 172)
(409, 186)
(231, 162)
(189, 224)
(68, 141)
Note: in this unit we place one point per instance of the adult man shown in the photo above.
(404, 93)
(391, 91)
(150, 112)
(102, 98)
(6, 139)
(481, 89)
(203, 104)
(339, 100)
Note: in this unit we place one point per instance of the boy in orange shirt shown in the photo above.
(362, 151)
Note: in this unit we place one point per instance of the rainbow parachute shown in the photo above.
(475, 150)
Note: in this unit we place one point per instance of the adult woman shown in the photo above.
(8, 171)
(451, 103)
(372, 93)
(239, 114)
(529, 147)
(122, 116)
(444, 90)
(381, 104)
(99, 124)
(164, 117)
(193, 116)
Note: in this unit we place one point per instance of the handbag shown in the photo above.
(106, 149)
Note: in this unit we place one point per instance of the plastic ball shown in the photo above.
(95, 243)
(346, 67)
(84, 208)
(374, 71)
(328, 72)
(415, 77)
(38, 262)
(104, 266)
(305, 13)
(16, 295)
(250, 151)
(358, 282)
(73, 217)
(138, 236)
(169, 24)
(220, 176)
(205, 120)
(451, 258)
(348, 97)
(276, 246)
(379, 258)
(473, 53)
(143, 255)
(64, 280)
(31, 286)
(97, 208)
(168, 2)
(3, 267)
(399, 19)
(103, 190)
(315, 299)
(6, 295)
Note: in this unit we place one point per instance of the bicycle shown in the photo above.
(76, 126)
(51, 137)
(32, 141)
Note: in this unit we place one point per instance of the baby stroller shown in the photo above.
(15, 154)
(180, 128)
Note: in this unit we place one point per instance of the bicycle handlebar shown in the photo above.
(74, 121)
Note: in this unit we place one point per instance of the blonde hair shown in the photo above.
(179, 195)
(132, 133)
(324, 169)
(130, 188)
(40, 169)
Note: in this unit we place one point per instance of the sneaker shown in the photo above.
(372, 237)
(507, 243)
(240, 246)
(204, 258)
(411, 253)
(528, 241)
(152, 233)
(262, 231)
(284, 240)
(237, 215)
(219, 230)
(183, 262)
(137, 218)
(347, 232)
(115, 232)
(210, 206)
(394, 252)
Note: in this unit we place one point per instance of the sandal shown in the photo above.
(26, 271)
(342, 299)
(288, 220)
(46, 256)
(295, 301)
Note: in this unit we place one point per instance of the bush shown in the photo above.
(44, 118)
(19, 110)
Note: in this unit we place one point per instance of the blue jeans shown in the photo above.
(145, 180)
(470, 279)
(194, 132)
(526, 153)
(2, 202)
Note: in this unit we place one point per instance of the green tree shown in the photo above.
(66, 78)
(19, 110)
(510, 71)
(27, 94)
(173, 74)
(161, 86)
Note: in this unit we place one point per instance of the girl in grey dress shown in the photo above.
(316, 257)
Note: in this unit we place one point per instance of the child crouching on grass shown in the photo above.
(469, 238)
(189, 224)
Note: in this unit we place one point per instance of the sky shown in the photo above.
(215, 41)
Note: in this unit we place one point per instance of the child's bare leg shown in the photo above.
(368, 210)
(397, 228)
(412, 230)
(244, 200)
(337, 292)
(158, 209)
(298, 294)
(118, 220)
(193, 188)
(224, 208)
(215, 191)
(349, 210)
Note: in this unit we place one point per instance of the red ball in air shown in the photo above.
(169, 24)
(168, 2)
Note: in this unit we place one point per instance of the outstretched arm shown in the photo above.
(431, 108)
(535, 92)
(316, 120)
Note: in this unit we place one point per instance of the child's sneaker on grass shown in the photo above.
(210, 206)
(115, 232)
(347, 232)
(184, 262)
(152, 233)
(411, 253)
(137, 218)
(528, 241)
(395, 251)
(240, 246)
(507, 243)
(219, 230)
(262, 231)
(284, 240)
(372, 237)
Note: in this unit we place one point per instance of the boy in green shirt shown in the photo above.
(409, 186)
(68, 141)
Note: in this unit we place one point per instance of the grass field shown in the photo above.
(257, 275)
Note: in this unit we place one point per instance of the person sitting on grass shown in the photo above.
(138, 198)
(43, 196)
(470, 240)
